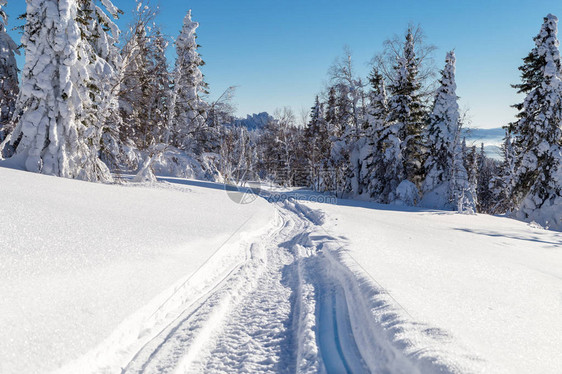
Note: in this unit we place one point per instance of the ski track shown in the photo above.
(281, 310)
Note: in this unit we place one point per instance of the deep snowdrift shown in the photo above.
(77, 259)
(476, 293)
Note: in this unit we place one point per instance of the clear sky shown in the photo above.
(278, 52)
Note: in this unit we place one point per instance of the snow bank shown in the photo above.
(77, 259)
(464, 293)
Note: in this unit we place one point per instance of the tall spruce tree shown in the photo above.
(461, 192)
(486, 171)
(471, 165)
(537, 134)
(441, 133)
(406, 110)
(503, 183)
(98, 29)
(158, 106)
(9, 88)
(328, 173)
(317, 144)
(68, 61)
(374, 173)
(145, 86)
(187, 109)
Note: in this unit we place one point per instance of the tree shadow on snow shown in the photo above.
(329, 199)
(557, 238)
(191, 182)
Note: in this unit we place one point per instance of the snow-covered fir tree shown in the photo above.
(486, 172)
(105, 66)
(317, 144)
(330, 172)
(441, 132)
(406, 110)
(373, 172)
(389, 164)
(160, 89)
(503, 183)
(145, 86)
(238, 152)
(471, 165)
(64, 98)
(187, 109)
(341, 131)
(9, 88)
(281, 152)
(350, 121)
(462, 194)
(537, 134)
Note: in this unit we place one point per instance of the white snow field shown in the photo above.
(123, 279)
(475, 293)
(88, 267)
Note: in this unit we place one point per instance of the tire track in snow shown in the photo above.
(187, 335)
(227, 310)
(258, 337)
(283, 310)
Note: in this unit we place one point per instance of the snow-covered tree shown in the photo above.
(503, 183)
(339, 120)
(188, 115)
(105, 65)
(160, 89)
(350, 121)
(393, 50)
(461, 191)
(471, 165)
(390, 165)
(65, 95)
(373, 173)
(238, 152)
(8, 75)
(317, 144)
(407, 111)
(537, 134)
(486, 172)
(145, 86)
(440, 135)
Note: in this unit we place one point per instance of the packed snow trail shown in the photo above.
(279, 311)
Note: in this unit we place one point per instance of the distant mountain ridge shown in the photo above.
(255, 121)
(492, 139)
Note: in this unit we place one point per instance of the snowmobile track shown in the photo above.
(277, 311)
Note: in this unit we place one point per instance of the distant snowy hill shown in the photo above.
(492, 139)
(254, 121)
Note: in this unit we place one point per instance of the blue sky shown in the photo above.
(278, 52)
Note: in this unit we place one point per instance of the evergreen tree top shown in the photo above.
(316, 111)
(3, 15)
(187, 36)
(406, 81)
(376, 80)
(5, 38)
(543, 62)
(445, 104)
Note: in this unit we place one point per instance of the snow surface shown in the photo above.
(123, 279)
(78, 259)
(475, 293)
